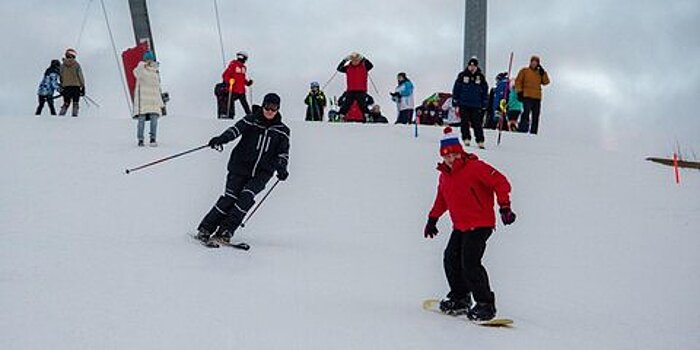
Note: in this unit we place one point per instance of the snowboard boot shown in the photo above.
(482, 312)
(454, 307)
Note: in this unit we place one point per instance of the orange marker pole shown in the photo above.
(230, 91)
(675, 168)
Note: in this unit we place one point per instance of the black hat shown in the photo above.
(474, 61)
(271, 99)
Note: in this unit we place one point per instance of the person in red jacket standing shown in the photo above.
(236, 70)
(356, 69)
(466, 189)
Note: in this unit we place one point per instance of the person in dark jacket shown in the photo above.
(375, 115)
(315, 103)
(262, 151)
(471, 94)
(356, 69)
(49, 84)
(466, 189)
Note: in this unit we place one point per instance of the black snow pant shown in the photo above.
(405, 116)
(474, 117)
(350, 97)
(530, 105)
(48, 100)
(70, 94)
(233, 205)
(463, 268)
(226, 107)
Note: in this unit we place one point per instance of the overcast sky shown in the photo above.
(623, 72)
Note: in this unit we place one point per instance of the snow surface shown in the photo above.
(603, 255)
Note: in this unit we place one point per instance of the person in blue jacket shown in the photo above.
(49, 84)
(471, 94)
(403, 96)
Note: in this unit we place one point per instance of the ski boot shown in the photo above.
(153, 142)
(454, 307)
(481, 145)
(203, 235)
(482, 312)
(140, 144)
(224, 235)
(466, 142)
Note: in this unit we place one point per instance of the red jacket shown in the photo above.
(467, 191)
(236, 70)
(356, 76)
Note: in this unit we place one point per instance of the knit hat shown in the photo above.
(450, 143)
(271, 99)
(149, 56)
(474, 61)
(71, 52)
(242, 55)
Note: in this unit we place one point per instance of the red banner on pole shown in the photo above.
(131, 58)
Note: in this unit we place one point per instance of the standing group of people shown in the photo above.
(66, 78)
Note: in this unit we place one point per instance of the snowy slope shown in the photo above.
(603, 255)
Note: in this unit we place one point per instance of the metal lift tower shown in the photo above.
(475, 32)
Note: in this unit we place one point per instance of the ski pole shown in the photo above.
(230, 91)
(506, 97)
(373, 85)
(260, 203)
(128, 171)
(329, 80)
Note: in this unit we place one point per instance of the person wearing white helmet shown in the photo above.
(235, 81)
(315, 103)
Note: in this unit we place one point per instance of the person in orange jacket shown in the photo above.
(466, 189)
(529, 84)
(236, 70)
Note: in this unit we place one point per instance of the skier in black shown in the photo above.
(262, 151)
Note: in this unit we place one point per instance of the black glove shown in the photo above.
(82, 91)
(507, 215)
(394, 94)
(282, 174)
(430, 229)
(249, 82)
(521, 96)
(454, 103)
(540, 70)
(217, 143)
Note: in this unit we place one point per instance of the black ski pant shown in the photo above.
(226, 106)
(239, 196)
(474, 117)
(48, 100)
(530, 105)
(405, 116)
(350, 97)
(463, 268)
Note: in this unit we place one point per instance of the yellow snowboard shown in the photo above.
(433, 306)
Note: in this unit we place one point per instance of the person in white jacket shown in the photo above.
(148, 102)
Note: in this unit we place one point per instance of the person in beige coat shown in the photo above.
(72, 82)
(148, 102)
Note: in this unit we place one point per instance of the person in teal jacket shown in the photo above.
(515, 107)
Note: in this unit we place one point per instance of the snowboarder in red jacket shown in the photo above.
(235, 73)
(466, 189)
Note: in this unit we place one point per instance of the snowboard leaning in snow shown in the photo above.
(216, 243)
(433, 305)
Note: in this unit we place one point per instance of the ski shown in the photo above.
(432, 305)
(216, 243)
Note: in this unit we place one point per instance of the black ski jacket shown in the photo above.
(264, 145)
